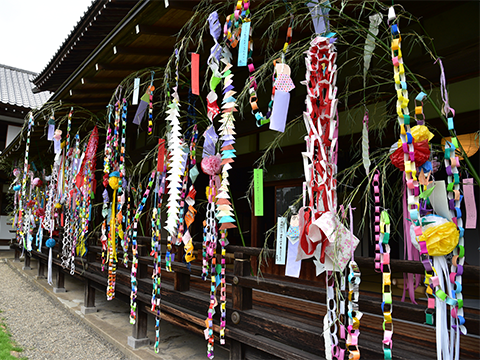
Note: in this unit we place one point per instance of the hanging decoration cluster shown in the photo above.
(61, 203)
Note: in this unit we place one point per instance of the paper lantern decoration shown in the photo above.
(469, 142)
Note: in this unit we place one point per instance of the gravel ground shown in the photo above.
(43, 328)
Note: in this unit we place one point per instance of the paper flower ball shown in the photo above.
(16, 172)
(440, 235)
(40, 212)
(50, 243)
(421, 151)
(211, 165)
(37, 182)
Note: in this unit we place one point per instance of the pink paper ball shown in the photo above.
(211, 165)
(37, 182)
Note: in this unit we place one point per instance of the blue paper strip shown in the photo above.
(243, 48)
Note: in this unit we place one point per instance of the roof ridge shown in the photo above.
(18, 69)
(69, 36)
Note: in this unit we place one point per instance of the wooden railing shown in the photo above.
(266, 318)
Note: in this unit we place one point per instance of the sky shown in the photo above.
(31, 31)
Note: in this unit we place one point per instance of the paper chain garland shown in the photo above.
(387, 306)
(433, 279)
(354, 314)
(382, 264)
(24, 224)
(452, 166)
(133, 276)
(156, 241)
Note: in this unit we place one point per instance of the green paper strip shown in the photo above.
(258, 191)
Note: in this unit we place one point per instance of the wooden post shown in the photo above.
(139, 331)
(88, 299)
(242, 296)
(41, 269)
(17, 251)
(237, 351)
(26, 265)
(142, 267)
(60, 282)
(181, 281)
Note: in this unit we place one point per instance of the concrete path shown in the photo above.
(111, 321)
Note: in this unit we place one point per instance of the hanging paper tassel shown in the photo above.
(365, 151)
(50, 244)
(375, 20)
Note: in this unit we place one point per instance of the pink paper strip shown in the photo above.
(195, 74)
(470, 206)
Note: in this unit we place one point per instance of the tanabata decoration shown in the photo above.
(156, 246)
(211, 165)
(156, 183)
(133, 275)
(24, 214)
(439, 290)
(354, 314)
(382, 265)
(86, 183)
(114, 176)
(51, 127)
(146, 101)
(174, 178)
(68, 220)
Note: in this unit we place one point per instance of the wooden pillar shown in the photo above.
(17, 252)
(26, 264)
(139, 331)
(237, 351)
(242, 296)
(181, 281)
(59, 282)
(88, 298)
(41, 269)
(142, 269)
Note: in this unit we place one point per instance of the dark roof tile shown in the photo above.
(16, 88)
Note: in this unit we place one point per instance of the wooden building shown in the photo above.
(272, 315)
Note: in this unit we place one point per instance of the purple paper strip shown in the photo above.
(51, 132)
(280, 110)
(293, 267)
(319, 15)
(142, 107)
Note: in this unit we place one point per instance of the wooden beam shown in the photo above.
(150, 51)
(142, 29)
(128, 66)
(92, 91)
(103, 80)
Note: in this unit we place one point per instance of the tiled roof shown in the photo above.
(16, 88)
